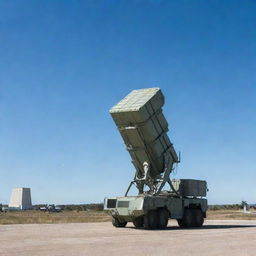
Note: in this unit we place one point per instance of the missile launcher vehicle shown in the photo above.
(143, 127)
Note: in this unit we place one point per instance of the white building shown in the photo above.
(20, 199)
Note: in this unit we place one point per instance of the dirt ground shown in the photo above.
(217, 237)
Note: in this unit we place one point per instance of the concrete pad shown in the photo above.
(215, 238)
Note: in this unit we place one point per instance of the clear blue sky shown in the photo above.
(63, 64)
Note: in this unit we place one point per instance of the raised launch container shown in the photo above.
(143, 127)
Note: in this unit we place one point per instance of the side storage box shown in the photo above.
(189, 187)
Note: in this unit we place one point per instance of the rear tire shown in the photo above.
(163, 217)
(138, 222)
(118, 224)
(187, 219)
(191, 218)
(198, 217)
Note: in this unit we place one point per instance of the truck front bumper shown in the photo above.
(124, 208)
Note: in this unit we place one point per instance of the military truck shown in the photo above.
(143, 127)
(51, 208)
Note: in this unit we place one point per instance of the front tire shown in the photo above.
(151, 220)
(181, 223)
(118, 224)
(138, 222)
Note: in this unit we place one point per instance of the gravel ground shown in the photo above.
(229, 237)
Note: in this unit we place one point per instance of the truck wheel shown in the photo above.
(187, 219)
(198, 217)
(163, 217)
(151, 220)
(181, 223)
(138, 222)
(118, 224)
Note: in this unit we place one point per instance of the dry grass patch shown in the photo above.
(27, 217)
(230, 215)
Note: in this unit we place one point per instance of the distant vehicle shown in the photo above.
(51, 208)
(4, 208)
